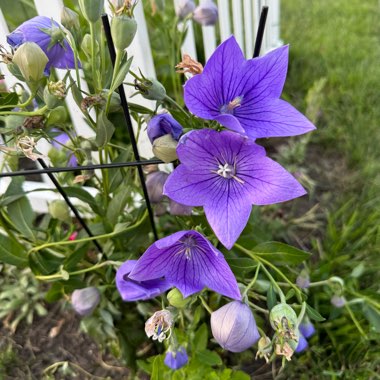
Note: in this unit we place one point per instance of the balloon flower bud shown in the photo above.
(178, 209)
(85, 300)
(234, 327)
(91, 9)
(165, 147)
(302, 344)
(163, 124)
(176, 299)
(58, 209)
(31, 61)
(206, 14)
(338, 301)
(155, 184)
(150, 88)
(176, 359)
(123, 29)
(303, 280)
(183, 8)
(159, 325)
(69, 19)
(307, 329)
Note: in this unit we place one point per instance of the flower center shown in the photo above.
(226, 170)
(229, 108)
(188, 244)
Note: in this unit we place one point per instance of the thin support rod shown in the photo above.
(260, 31)
(112, 165)
(67, 200)
(127, 116)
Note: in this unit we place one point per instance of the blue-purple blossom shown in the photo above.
(307, 329)
(63, 138)
(206, 13)
(84, 301)
(302, 344)
(338, 301)
(163, 124)
(176, 359)
(243, 95)
(226, 173)
(188, 261)
(234, 327)
(50, 36)
(131, 290)
(183, 8)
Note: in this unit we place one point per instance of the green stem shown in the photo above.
(204, 303)
(302, 314)
(38, 112)
(249, 286)
(93, 57)
(274, 283)
(356, 322)
(367, 299)
(258, 308)
(21, 105)
(118, 60)
(174, 103)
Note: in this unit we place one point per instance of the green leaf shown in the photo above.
(290, 294)
(373, 317)
(200, 338)
(84, 196)
(116, 206)
(9, 99)
(271, 297)
(22, 216)
(280, 253)
(104, 130)
(241, 265)
(116, 176)
(44, 262)
(12, 252)
(208, 357)
(158, 368)
(314, 314)
(120, 76)
(139, 109)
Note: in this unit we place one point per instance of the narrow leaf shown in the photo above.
(313, 314)
(12, 252)
(104, 131)
(120, 76)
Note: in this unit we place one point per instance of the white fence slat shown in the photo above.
(248, 28)
(238, 22)
(209, 38)
(224, 19)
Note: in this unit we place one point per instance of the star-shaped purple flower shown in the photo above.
(49, 36)
(243, 95)
(189, 262)
(226, 173)
(131, 290)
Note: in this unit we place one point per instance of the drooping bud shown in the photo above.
(302, 344)
(206, 14)
(31, 61)
(58, 209)
(150, 88)
(264, 348)
(85, 300)
(176, 359)
(165, 147)
(162, 124)
(307, 329)
(234, 327)
(69, 19)
(183, 8)
(338, 301)
(158, 325)
(176, 299)
(123, 29)
(303, 279)
(155, 184)
(179, 209)
(91, 9)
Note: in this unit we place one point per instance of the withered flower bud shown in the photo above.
(189, 65)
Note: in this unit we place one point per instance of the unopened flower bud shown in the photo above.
(86, 46)
(206, 13)
(176, 359)
(234, 327)
(58, 209)
(31, 61)
(150, 88)
(123, 29)
(183, 8)
(85, 300)
(91, 9)
(303, 280)
(159, 325)
(163, 124)
(338, 301)
(176, 299)
(54, 93)
(307, 329)
(302, 344)
(69, 19)
(178, 209)
(57, 116)
(165, 147)
(155, 184)
(264, 348)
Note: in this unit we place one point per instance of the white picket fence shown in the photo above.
(238, 17)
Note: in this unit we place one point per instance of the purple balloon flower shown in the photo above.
(176, 359)
(163, 124)
(226, 173)
(189, 262)
(131, 290)
(234, 327)
(243, 95)
(49, 36)
(302, 344)
(307, 329)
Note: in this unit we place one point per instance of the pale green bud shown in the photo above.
(91, 9)
(176, 299)
(150, 89)
(31, 61)
(123, 29)
(164, 148)
(57, 116)
(58, 209)
(69, 19)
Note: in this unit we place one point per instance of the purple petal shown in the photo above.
(302, 344)
(230, 122)
(131, 290)
(271, 118)
(307, 329)
(168, 241)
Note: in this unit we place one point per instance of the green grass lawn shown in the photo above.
(338, 43)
